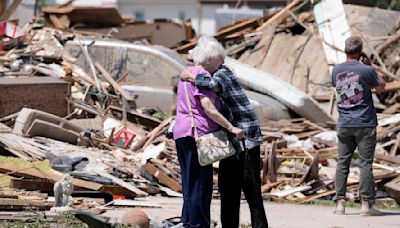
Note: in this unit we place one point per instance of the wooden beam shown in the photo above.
(162, 177)
(396, 145)
(387, 158)
(52, 175)
(23, 204)
(113, 83)
(122, 183)
(10, 10)
(280, 16)
(47, 187)
(153, 134)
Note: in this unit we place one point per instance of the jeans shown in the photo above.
(350, 138)
(237, 174)
(197, 183)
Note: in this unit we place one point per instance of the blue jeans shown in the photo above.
(365, 140)
(197, 183)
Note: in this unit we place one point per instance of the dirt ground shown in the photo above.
(279, 215)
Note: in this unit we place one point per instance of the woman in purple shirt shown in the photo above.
(197, 181)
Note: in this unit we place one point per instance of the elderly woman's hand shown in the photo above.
(187, 75)
(239, 133)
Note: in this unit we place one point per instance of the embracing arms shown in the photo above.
(217, 117)
(202, 81)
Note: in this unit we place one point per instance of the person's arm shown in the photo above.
(380, 87)
(217, 117)
(202, 81)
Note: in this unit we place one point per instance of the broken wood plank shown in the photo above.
(51, 175)
(220, 35)
(265, 165)
(393, 189)
(122, 183)
(156, 130)
(113, 83)
(387, 158)
(273, 164)
(290, 191)
(47, 186)
(260, 51)
(162, 177)
(393, 151)
(23, 204)
(10, 10)
(279, 17)
(267, 187)
(308, 134)
(392, 109)
(136, 117)
(349, 185)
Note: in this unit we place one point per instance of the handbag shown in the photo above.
(213, 146)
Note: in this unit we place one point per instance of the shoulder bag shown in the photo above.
(213, 146)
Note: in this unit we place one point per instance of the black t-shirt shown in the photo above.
(353, 82)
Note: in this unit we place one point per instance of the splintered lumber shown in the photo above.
(280, 16)
(290, 191)
(388, 42)
(220, 35)
(162, 177)
(349, 185)
(393, 189)
(33, 185)
(122, 183)
(267, 187)
(235, 28)
(260, 51)
(387, 158)
(24, 204)
(10, 10)
(154, 133)
(23, 195)
(47, 186)
(393, 151)
(136, 117)
(53, 175)
(265, 166)
(113, 83)
(392, 109)
(273, 164)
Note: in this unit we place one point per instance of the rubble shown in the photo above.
(78, 110)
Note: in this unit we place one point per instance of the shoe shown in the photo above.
(368, 209)
(339, 210)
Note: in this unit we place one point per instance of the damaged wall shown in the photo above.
(43, 93)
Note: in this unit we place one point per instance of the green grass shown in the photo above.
(41, 221)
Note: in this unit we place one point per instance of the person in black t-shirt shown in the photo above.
(356, 126)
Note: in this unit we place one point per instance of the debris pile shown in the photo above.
(287, 44)
(81, 119)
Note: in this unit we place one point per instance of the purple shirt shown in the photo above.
(204, 125)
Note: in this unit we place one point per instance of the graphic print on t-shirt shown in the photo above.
(349, 90)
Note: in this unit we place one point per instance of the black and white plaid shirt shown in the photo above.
(236, 105)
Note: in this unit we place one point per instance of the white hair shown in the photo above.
(206, 48)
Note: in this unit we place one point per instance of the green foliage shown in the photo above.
(388, 4)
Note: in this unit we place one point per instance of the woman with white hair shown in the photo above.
(197, 180)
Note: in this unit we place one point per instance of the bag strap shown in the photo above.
(193, 125)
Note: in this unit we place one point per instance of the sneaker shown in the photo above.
(368, 209)
(339, 210)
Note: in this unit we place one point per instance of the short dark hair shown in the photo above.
(353, 45)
